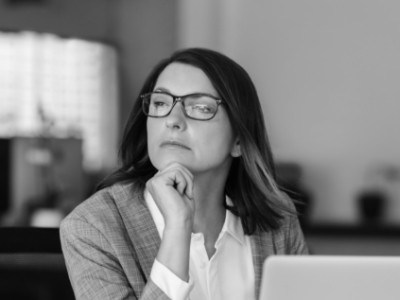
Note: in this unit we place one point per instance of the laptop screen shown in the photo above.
(330, 278)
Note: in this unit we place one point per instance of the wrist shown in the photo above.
(180, 224)
(179, 227)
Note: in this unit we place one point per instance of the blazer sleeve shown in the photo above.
(296, 243)
(94, 270)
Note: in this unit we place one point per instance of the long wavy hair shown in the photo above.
(251, 185)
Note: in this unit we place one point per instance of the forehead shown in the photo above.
(183, 79)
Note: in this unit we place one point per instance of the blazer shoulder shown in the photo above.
(289, 236)
(104, 205)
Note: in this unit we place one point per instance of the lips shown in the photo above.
(174, 143)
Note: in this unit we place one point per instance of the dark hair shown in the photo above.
(251, 180)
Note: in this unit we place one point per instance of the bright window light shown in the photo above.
(60, 87)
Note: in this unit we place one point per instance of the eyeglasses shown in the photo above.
(198, 106)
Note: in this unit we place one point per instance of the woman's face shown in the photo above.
(207, 146)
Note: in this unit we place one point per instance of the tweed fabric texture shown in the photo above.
(110, 242)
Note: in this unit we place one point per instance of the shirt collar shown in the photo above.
(232, 224)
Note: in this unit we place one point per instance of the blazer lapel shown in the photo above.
(262, 245)
(140, 226)
(143, 233)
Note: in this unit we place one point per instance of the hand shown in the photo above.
(172, 191)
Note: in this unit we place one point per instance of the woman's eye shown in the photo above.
(158, 103)
(203, 108)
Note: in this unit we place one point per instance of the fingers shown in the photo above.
(180, 178)
(180, 182)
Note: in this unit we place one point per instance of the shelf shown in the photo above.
(344, 230)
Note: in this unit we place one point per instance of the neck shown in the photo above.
(209, 195)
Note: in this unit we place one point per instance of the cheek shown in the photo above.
(152, 129)
(216, 142)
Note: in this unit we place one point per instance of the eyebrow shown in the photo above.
(162, 89)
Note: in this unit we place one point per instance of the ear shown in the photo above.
(236, 152)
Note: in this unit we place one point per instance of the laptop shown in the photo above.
(330, 278)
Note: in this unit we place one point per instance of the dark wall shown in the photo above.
(146, 31)
(85, 19)
(4, 175)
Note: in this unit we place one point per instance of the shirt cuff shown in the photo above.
(174, 287)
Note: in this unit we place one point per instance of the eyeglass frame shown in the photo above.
(180, 99)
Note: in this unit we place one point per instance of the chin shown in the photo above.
(163, 161)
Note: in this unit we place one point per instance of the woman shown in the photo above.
(194, 210)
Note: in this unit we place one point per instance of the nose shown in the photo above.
(176, 119)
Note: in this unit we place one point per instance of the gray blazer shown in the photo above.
(110, 242)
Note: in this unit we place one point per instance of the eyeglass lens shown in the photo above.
(197, 106)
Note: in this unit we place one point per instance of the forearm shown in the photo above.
(174, 251)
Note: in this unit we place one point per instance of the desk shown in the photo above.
(32, 265)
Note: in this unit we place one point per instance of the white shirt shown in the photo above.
(228, 275)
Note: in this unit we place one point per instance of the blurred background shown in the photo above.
(327, 74)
